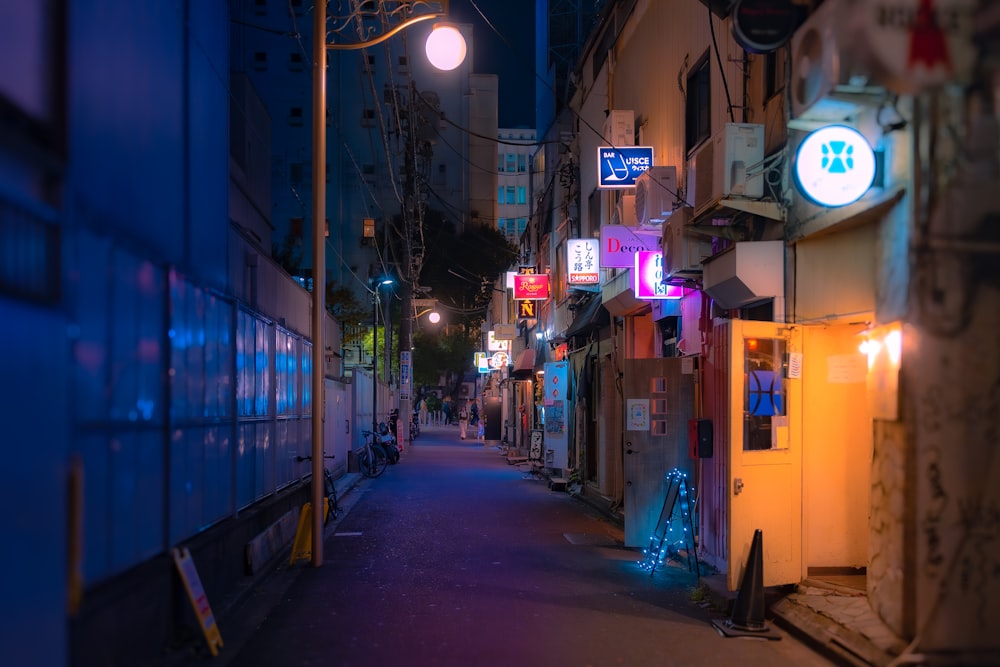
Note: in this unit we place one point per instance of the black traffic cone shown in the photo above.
(747, 619)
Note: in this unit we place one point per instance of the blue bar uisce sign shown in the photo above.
(619, 167)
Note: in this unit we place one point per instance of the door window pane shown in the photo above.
(764, 392)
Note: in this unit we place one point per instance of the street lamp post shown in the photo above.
(446, 39)
(376, 284)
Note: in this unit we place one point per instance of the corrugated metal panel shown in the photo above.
(713, 495)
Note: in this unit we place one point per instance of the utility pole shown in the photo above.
(418, 152)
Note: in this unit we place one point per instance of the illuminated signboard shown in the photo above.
(619, 167)
(834, 166)
(582, 261)
(526, 309)
(619, 243)
(531, 286)
(494, 344)
(648, 277)
(482, 362)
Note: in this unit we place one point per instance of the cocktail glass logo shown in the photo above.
(835, 166)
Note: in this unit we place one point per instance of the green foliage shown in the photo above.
(459, 269)
(344, 305)
(442, 354)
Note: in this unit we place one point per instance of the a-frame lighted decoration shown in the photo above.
(674, 531)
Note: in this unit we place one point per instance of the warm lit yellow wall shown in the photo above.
(642, 338)
(837, 447)
(835, 276)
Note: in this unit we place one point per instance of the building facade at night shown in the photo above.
(821, 196)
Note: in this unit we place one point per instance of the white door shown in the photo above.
(659, 401)
(765, 471)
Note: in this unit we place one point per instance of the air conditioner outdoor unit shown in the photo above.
(619, 127)
(683, 250)
(827, 60)
(719, 167)
(655, 195)
(625, 211)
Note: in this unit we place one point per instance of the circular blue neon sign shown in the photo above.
(835, 166)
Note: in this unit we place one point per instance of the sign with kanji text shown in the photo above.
(648, 276)
(405, 365)
(583, 261)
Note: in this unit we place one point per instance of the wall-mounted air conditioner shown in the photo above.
(619, 127)
(827, 64)
(655, 195)
(719, 166)
(624, 211)
(683, 249)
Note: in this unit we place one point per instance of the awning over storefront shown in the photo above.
(592, 316)
(524, 367)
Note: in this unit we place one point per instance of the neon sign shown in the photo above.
(834, 166)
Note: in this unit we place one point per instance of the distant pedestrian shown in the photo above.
(463, 420)
(446, 407)
(423, 412)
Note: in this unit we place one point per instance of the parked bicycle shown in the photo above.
(414, 425)
(330, 506)
(390, 445)
(372, 459)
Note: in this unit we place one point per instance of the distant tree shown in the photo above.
(344, 305)
(438, 356)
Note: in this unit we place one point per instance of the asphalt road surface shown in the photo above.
(455, 558)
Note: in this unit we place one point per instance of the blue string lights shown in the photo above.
(674, 531)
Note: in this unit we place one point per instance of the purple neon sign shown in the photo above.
(649, 278)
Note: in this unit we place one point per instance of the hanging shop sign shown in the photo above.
(526, 310)
(619, 167)
(499, 360)
(505, 331)
(648, 277)
(763, 26)
(834, 166)
(494, 344)
(482, 362)
(531, 286)
(919, 44)
(582, 261)
(556, 384)
(619, 243)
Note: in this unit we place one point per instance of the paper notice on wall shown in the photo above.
(846, 368)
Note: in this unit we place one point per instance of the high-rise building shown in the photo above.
(514, 150)
(400, 139)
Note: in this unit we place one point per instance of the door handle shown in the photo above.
(737, 486)
(629, 450)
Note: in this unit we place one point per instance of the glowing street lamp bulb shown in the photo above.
(434, 317)
(445, 47)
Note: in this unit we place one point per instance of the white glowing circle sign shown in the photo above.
(834, 166)
(445, 47)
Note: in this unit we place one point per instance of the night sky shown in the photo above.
(509, 54)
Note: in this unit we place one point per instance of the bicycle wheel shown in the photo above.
(372, 461)
(379, 461)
